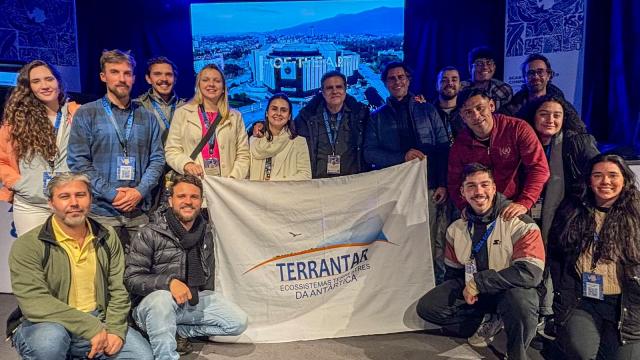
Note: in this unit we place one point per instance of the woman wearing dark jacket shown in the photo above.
(568, 148)
(595, 264)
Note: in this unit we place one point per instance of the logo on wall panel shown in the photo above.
(545, 26)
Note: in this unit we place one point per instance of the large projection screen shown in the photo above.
(286, 46)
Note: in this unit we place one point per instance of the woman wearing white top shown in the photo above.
(279, 155)
(33, 142)
(227, 153)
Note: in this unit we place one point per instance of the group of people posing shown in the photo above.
(108, 204)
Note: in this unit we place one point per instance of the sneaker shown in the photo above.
(183, 345)
(488, 329)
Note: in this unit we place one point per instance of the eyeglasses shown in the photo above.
(481, 62)
(539, 72)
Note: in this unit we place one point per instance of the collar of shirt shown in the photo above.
(61, 236)
(114, 106)
(159, 99)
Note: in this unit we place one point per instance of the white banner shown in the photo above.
(555, 29)
(324, 258)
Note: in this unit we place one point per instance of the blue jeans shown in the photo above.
(161, 317)
(48, 340)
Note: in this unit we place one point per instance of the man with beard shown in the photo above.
(506, 144)
(406, 128)
(169, 273)
(537, 72)
(493, 268)
(67, 276)
(116, 142)
(448, 87)
(482, 67)
(161, 99)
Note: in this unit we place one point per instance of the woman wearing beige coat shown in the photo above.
(227, 153)
(280, 154)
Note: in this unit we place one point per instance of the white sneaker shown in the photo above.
(488, 329)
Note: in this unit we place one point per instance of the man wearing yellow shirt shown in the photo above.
(67, 277)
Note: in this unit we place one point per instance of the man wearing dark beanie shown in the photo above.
(169, 273)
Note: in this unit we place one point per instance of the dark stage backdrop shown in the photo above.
(437, 33)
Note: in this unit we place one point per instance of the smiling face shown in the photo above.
(161, 78)
(479, 190)
(482, 69)
(186, 202)
(70, 203)
(334, 92)
(448, 84)
(548, 120)
(278, 114)
(606, 182)
(477, 115)
(119, 79)
(211, 84)
(537, 76)
(44, 84)
(397, 83)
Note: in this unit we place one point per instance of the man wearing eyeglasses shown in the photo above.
(537, 73)
(482, 67)
(406, 128)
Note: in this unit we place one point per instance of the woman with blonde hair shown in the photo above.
(33, 142)
(280, 154)
(208, 121)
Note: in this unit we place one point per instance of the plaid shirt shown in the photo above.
(500, 92)
(94, 149)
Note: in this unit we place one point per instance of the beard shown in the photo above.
(186, 218)
(120, 91)
(75, 220)
(446, 96)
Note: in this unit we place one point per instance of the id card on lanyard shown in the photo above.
(470, 266)
(212, 164)
(126, 170)
(333, 161)
(592, 283)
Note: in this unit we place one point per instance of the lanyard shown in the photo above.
(167, 122)
(485, 236)
(56, 125)
(333, 137)
(597, 250)
(128, 125)
(207, 124)
(547, 151)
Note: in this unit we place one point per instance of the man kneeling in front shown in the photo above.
(493, 269)
(67, 277)
(169, 273)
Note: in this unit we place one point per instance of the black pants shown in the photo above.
(444, 305)
(591, 332)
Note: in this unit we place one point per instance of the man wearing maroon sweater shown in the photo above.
(507, 145)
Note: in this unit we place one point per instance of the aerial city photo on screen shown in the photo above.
(286, 46)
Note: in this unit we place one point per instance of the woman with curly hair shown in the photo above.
(595, 264)
(33, 142)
